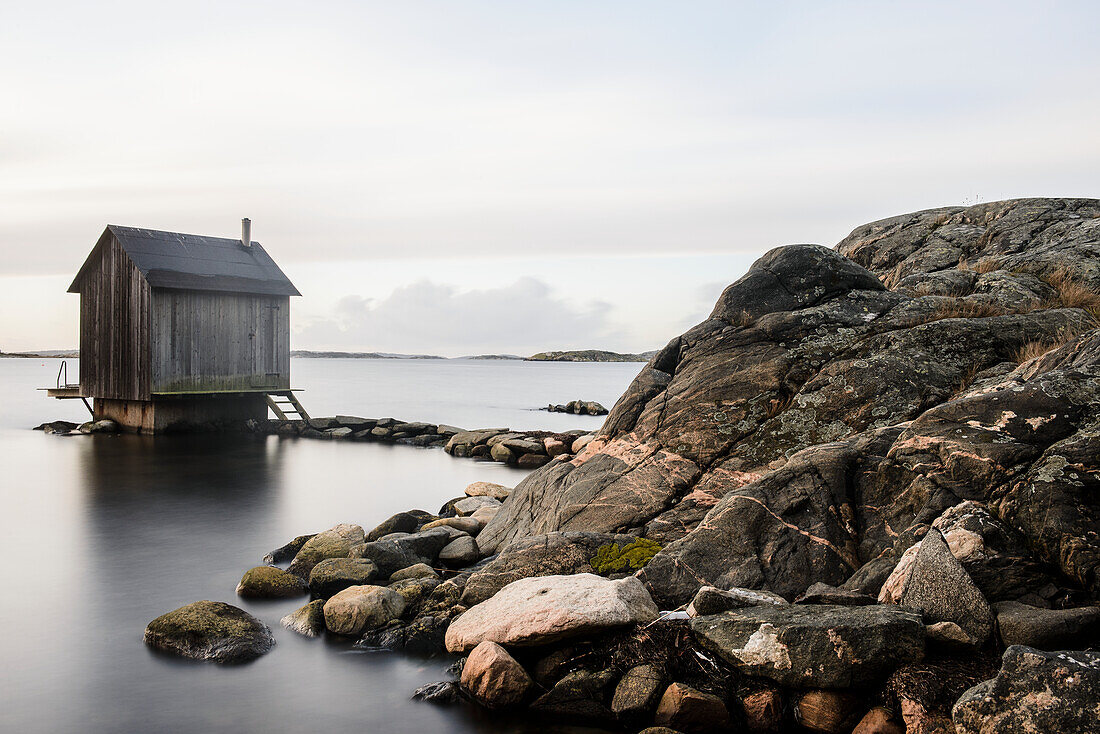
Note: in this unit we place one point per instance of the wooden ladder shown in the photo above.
(283, 403)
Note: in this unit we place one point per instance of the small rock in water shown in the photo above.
(333, 575)
(288, 551)
(442, 692)
(269, 582)
(210, 630)
(308, 620)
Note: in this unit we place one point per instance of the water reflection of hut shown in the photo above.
(181, 329)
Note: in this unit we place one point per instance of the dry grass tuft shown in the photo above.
(961, 309)
(1070, 293)
(1039, 347)
(981, 265)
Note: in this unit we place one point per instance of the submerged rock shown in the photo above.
(814, 646)
(269, 582)
(579, 696)
(538, 611)
(1035, 691)
(210, 630)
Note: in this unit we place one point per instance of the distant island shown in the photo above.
(359, 355)
(580, 355)
(590, 355)
(44, 354)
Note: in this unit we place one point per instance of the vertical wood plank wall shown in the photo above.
(114, 328)
(203, 341)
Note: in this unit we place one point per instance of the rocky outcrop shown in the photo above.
(814, 646)
(210, 630)
(837, 403)
(538, 611)
(1034, 691)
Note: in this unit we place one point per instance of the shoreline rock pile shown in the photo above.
(865, 492)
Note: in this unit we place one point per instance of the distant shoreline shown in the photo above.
(580, 355)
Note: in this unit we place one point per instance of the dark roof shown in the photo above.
(195, 262)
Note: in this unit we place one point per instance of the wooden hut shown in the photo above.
(182, 329)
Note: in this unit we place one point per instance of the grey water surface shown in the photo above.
(103, 533)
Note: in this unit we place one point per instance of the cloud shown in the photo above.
(525, 316)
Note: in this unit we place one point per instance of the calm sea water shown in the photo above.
(102, 534)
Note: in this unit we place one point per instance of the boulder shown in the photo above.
(335, 542)
(470, 505)
(878, 720)
(460, 552)
(637, 692)
(416, 571)
(540, 555)
(210, 630)
(502, 453)
(581, 442)
(524, 445)
(825, 594)
(402, 522)
(269, 582)
(532, 461)
(948, 635)
(763, 711)
(830, 712)
(579, 696)
(288, 551)
(488, 489)
(814, 646)
(538, 611)
(554, 446)
(943, 591)
(58, 427)
(1034, 691)
(683, 708)
(308, 620)
(360, 608)
(333, 575)
(494, 678)
(414, 590)
(483, 515)
(1047, 629)
(394, 553)
(709, 600)
(465, 524)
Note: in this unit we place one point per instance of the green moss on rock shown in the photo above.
(613, 558)
(210, 630)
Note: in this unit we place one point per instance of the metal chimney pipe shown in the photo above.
(246, 232)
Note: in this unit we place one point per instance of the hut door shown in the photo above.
(265, 348)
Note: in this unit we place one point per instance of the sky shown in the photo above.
(499, 176)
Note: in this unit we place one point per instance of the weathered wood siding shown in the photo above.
(114, 327)
(204, 341)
